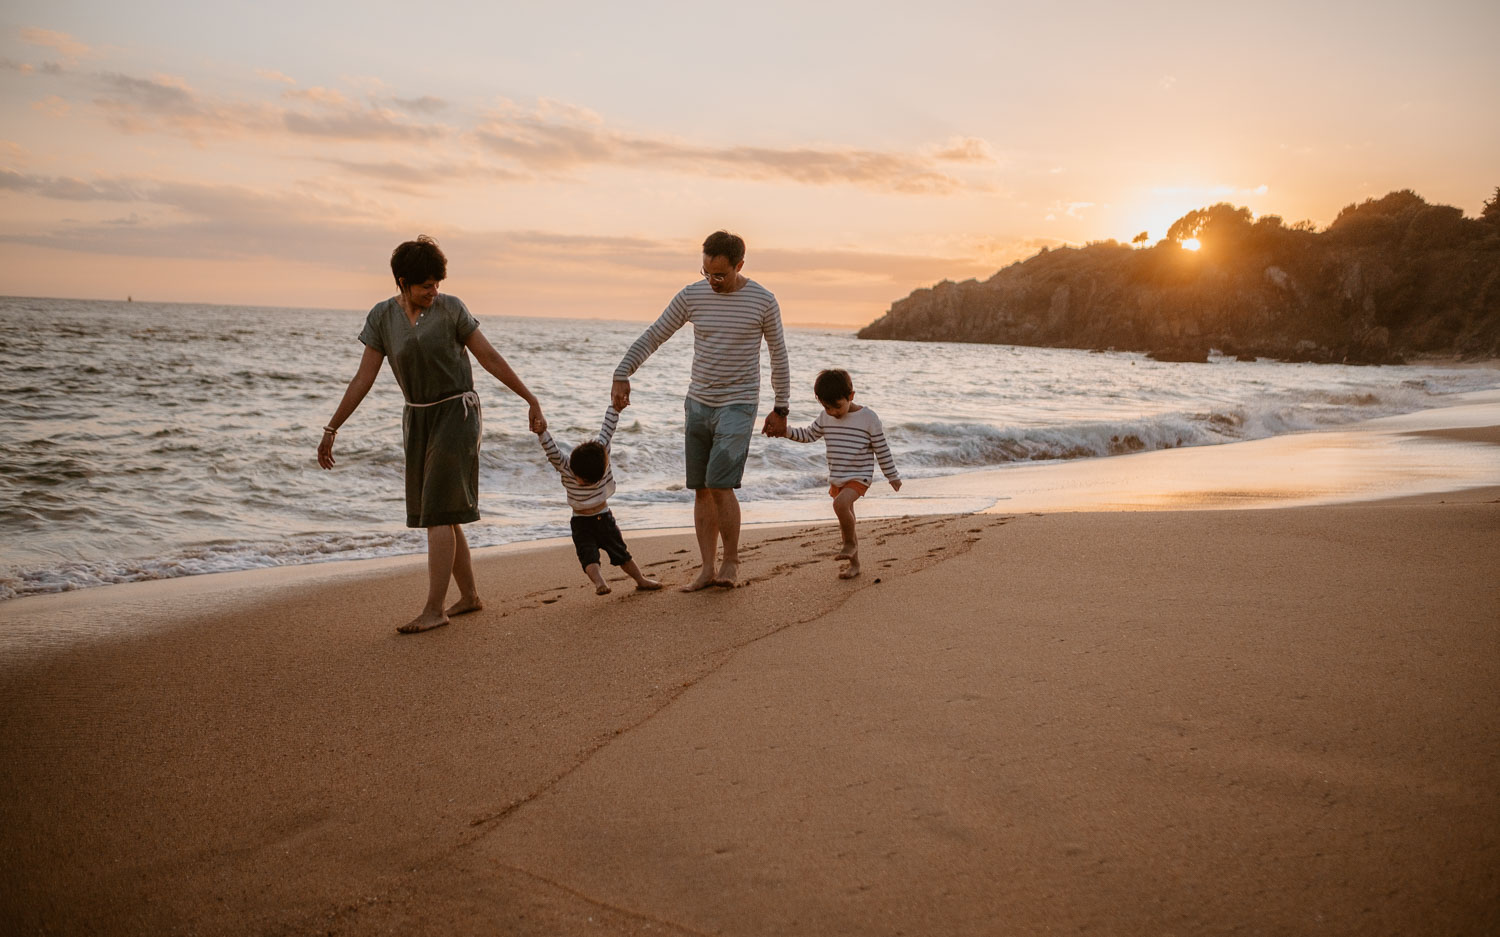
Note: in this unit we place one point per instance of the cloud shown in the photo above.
(219, 222)
(52, 106)
(426, 104)
(410, 176)
(67, 188)
(555, 138)
(270, 74)
(325, 96)
(164, 102)
(1071, 209)
(1211, 191)
(62, 43)
(355, 122)
(965, 150)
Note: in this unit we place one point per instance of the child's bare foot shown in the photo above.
(602, 588)
(464, 606)
(850, 571)
(424, 622)
(727, 572)
(647, 585)
(847, 552)
(703, 580)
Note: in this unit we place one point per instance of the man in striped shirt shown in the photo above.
(730, 314)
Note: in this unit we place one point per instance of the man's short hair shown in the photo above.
(723, 244)
(587, 462)
(418, 261)
(833, 385)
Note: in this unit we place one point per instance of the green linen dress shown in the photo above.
(430, 363)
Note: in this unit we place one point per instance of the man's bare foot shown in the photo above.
(602, 588)
(726, 575)
(703, 580)
(424, 622)
(647, 585)
(850, 571)
(847, 552)
(465, 606)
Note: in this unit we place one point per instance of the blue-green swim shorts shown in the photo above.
(715, 442)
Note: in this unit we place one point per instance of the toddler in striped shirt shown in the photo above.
(589, 481)
(855, 440)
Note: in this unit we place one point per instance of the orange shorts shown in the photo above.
(859, 488)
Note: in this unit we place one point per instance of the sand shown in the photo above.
(1155, 722)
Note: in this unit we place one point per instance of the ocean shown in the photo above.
(151, 440)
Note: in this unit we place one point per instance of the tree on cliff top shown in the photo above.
(1387, 206)
(1491, 212)
(1216, 226)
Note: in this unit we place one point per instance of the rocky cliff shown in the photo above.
(1389, 278)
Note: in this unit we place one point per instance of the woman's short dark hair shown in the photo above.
(418, 261)
(833, 385)
(587, 462)
(723, 244)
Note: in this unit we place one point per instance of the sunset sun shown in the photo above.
(1190, 244)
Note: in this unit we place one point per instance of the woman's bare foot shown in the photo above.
(602, 588)
(703, 580)
(464, 606)
(852, 570)
(727, 572)
(424, 622)
(847, 552)
(647, 585)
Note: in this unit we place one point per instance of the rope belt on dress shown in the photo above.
(468, 397)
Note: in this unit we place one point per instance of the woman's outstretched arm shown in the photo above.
(491, 361)
(359, 385)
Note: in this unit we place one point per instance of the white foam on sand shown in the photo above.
(1367, 461)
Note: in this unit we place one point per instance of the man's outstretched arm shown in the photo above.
(674, 317)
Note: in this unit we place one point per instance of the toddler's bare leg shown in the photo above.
(642, 584)
(852, 570)
(843, 508)
(600, 586)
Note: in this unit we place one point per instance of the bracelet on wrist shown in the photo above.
(330, 431)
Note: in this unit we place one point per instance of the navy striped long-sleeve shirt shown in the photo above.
(855, 441)
(585, 498)
(727, 332)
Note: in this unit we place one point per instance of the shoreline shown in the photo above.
(1357, 462)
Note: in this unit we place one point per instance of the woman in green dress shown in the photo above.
(426, 335)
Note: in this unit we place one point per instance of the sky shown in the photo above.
(570, 158)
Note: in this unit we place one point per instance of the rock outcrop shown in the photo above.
(1390, 278)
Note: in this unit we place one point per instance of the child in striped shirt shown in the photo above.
(855, 440)
(589, 481)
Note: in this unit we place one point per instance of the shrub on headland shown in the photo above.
(1389, 278)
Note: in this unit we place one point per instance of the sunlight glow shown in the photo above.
(1190, 244)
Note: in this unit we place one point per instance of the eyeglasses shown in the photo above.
(715, 277)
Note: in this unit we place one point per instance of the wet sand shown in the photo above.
(1278, 721)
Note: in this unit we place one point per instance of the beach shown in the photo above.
(1280, 720)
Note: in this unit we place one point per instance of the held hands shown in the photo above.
(535, 420)
(619, 394)
(775, 425)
